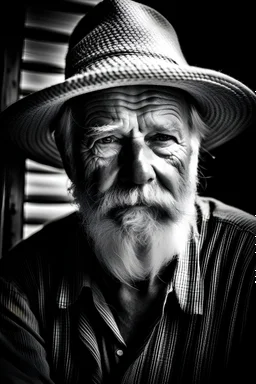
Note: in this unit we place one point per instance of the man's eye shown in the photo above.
(163, 137)
(107, 140)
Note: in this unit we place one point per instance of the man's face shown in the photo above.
(137, 139)
(137, 186)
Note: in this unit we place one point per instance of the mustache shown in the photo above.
(153, 197)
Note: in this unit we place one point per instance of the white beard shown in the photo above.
(135, 242)
(140, 247)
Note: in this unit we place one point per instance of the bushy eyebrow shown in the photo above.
(175, 128)
(93, 132)
(96, 130)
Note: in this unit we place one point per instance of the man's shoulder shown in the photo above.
(54, 232)
(52, 242)
(213, 209)
(47, 263)
(67, 224)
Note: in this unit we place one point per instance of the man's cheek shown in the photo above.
(102, 173)
(168, 176)
(173, 172)
(91, 165)
(107, 175)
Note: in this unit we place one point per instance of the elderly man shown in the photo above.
(147, 282)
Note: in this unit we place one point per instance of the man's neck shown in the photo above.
(137, 305)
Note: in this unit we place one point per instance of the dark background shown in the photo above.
(220, 35)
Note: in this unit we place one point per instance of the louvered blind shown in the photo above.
(47, 29)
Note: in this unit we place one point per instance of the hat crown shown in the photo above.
(121, 28)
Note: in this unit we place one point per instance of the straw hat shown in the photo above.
(121, 42)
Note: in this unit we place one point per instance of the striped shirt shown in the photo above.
(56, 326)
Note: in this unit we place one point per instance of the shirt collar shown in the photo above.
(187, 282)
(70, 289)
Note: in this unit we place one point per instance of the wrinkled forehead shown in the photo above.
(121, 100)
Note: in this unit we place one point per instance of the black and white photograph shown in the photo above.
(127, 192)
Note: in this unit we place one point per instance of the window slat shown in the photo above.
(34, 81)
(46, 188)
(40, 213)
(33, 166)
(56, 21)
(47, 29)
(41, 52)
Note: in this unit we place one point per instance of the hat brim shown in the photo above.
(227, 106)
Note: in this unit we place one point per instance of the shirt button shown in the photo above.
(119, 352)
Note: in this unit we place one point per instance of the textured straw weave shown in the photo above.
(121, 42)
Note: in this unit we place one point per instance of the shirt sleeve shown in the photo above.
(22, 349)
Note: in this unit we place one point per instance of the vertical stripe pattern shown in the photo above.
(56, 327)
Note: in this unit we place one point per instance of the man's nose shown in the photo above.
(136, 165)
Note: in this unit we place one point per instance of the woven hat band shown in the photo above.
(127, 28)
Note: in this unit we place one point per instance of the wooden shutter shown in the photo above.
(47, 29)
(11, 161)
